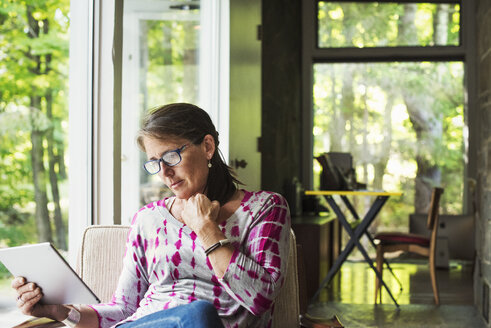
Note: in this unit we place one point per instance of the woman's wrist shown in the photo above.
(217, 245)
(58, 312)
(209, 234)
(73, 317)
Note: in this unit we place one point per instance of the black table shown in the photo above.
(355, 234)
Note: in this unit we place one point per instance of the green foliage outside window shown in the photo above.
(404, 122)
(168, 71)
(33, 121)
(391, 24)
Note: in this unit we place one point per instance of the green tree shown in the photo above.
(357, 106)
(33, 75)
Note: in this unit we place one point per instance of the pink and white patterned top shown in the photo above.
(165, 264)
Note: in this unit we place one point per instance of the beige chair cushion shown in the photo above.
(100, 263)
(101, 258)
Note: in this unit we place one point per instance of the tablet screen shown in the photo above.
(44, 265)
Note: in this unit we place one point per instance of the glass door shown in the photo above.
(163, 62)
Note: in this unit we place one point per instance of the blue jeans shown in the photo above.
(198, 314)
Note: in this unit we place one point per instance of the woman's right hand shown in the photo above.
(28, 296)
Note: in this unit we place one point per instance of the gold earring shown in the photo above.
(209, 164)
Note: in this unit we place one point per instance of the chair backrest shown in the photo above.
(287, 304)
(101, 258)
(432, 222)
(100, 263)
(434, 205)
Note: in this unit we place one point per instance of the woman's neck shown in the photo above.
(231, 206)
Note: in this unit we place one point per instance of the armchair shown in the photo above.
(101, 257)
(100, 262)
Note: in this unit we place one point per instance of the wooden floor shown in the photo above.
(351, 297)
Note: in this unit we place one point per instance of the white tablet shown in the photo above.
(44, 265)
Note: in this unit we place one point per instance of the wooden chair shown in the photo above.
(392, 242)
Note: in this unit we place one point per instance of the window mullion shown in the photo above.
(80, 122)
(388, 54)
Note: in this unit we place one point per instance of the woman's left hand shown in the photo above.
(199, 211)
(200, 214)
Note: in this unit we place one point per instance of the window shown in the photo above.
(104, 189)
(160, 66)
(389, 85)
(168, 56)
(387, 24)
(33, 126)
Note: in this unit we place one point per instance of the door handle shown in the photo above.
(236, 163)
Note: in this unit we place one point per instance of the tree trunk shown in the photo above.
(60, 160)
(39, 176)
(428, 127)
(407, 29)
(169, 78)
(426, 123)
(440, 25)
(380, 164)
(37, 151)
(337, 130)
(143, 65)
(189, 61)
(53, 178)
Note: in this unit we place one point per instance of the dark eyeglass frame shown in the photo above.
(161, 159)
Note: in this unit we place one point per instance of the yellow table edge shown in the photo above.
(348, 193)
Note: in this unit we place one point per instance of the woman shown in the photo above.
(212, 243)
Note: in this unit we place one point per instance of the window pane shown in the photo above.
(169, 74)
(168, 55)
(377, 24)
(404, 125)
(160, 66)
(33, 126)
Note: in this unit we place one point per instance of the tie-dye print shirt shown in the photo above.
(165, 264)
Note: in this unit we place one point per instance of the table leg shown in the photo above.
(359, 232)
(362, 229)
(370, 238)
(350, 207)
(354, 240)
(343, 255)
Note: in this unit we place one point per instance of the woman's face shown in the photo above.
(189, 176)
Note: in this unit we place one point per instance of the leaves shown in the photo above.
(376, 24)
(33, 66)
(406, 117)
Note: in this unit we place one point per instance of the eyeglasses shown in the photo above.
(169, 158)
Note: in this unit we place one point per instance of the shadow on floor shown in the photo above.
(409, 315)
(350, 296)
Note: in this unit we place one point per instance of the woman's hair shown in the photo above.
(190, 122)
